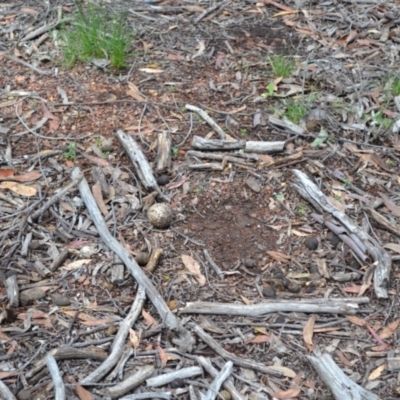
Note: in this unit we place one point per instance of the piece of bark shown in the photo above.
(186, 341)
(264, 147)
(163, 160)
(59, 260)
(140, 163)
(58, 383)
(12, 291)
(384, 222)
(119, 341)
(286, 124)
(183, 373)
(340, 385)
(134, 380)
(220, 157)
(240, 361)
(5, 392)
(207, 166)
(208, 119)
(217, 144)
(41, 269)
(25, 244)
(154, 259)
(309, 191)
(281, 162)
(260, 309)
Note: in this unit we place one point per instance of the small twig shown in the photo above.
(208, 119)
(212, 263)
(211, 9)
(219, 379)
(24, 63)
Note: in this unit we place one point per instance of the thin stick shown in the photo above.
(59, 388)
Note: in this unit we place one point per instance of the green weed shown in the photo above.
(295, 110)
(96, 32)
(282, 66)
(70, 154)
(301, 209)
(243, 131)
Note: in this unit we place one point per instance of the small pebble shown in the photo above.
(312, 243)
(269, 292)
(333, 239)
(249, 263)
(60, 300)
(142, 258)
(162, 179)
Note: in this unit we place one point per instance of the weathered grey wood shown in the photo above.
(58, 383)
(119, 341)
(309, 191)
(221, 157)
(208, 119)
(183, 373)
(219, 379)
(5, 392)
(264, 147)
(260, 309)
(186, 342)
(134, 380)
(207, 166)
(286, 124)
(164, 143)
(341, 386)
(139, 162)
(217, 144)
(12, 291)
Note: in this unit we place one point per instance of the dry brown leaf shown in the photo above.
(82, 393)
(134, 338)
(260, 339)
(134, 92)
(389, 203)
(389, 330)
(344, 359)
(30, 176)
(101, 162)
(289, 373)
(245, 300)
(149, 319)
(308, 332)
(393, 246)
(98, 196)
(352, 289)
(356, 320)
(19, 189)
(76, 264)
(351, 36)
(163, 356)
(287, 394)
(6, 173)
(279, 256)
(376, 373)
(194, 268)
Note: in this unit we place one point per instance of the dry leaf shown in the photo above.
(376, 373)
(163, 356)
(149, 319)
(76, 264)
(287, 394)
(308, 332)
(356, 320)
(96, 160)
(289, 373)
(134, 92)
(6, 173)
(279, 256)
(389, 330)
(194, 268)
(30, 176)
(260, 339)
(82, 393)
(98, 196)
(19, 189)
(134, 339)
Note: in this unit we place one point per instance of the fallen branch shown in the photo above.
(208, 119)
(167, 316)
(309, 191)
(219, 379)
(119, 341)
(183, 373)
(346, 306)
(341, 386)
(58, 383)
(5, 392)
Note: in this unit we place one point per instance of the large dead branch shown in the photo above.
(341, 386)
(345, 306)
(309, 191)
(167, 316)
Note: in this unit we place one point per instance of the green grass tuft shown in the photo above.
(282, 66)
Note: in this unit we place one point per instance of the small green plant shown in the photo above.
(346, 182)
(295, 110)
(174, 151)
(301, 209)
(197, 190)
(380, 120)
(243, 131)
(336, 197)
(99, 145)
(396, 86)
(331, 139)
(70, 154)
(280, 196)
(389, 161)
(282, 66)
(96, 32)
(172, 88)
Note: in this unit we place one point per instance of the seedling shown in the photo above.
(243, 131)
(282, 66)
(70, 154)
(301, 210)
(396, 86)
(346, 182)
(96, 32)
(295, 110)
(174, 151)
(171, 88)
(389, 161)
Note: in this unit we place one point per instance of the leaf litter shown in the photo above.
(86, 151)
